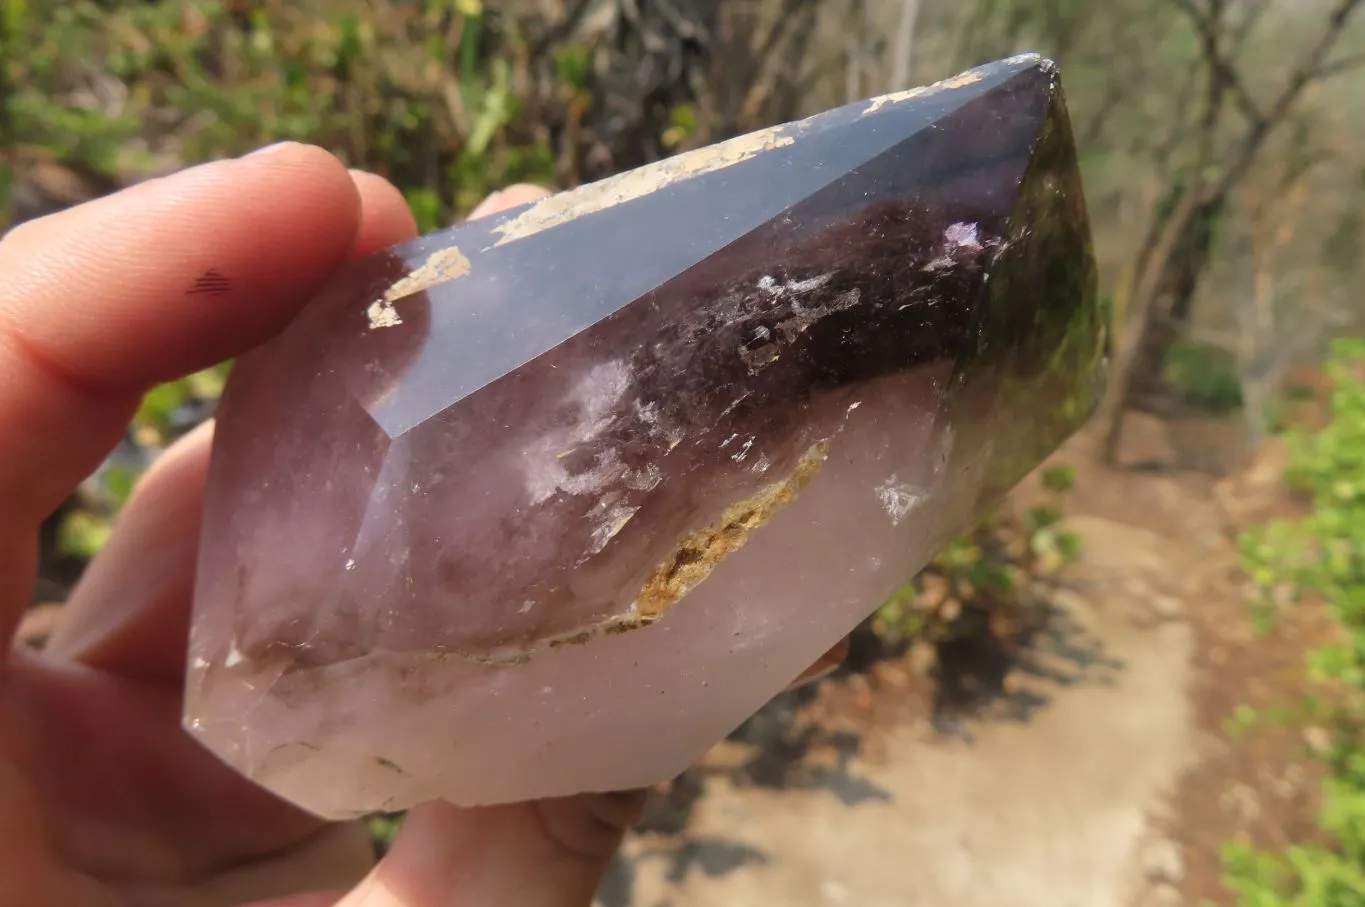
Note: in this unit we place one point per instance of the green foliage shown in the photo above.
(420, 92)
(573, 64)
(384, 828)
(167, 411)
(1322, 555)
(83, 534)
(160, 417)
(1204, 375)
(1059, 479)
(683, 124)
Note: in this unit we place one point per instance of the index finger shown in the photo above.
(102, 301)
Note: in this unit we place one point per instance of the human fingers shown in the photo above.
(130, 613)
(549, 853)
(513, 196)
(385, 219)
(102, 301)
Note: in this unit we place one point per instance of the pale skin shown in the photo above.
(103, 799)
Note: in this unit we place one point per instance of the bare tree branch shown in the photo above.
(1220, 340)
(786, 22)
(1162, 153)
(1088, 134)
(1146, 288)
(905, 45)
(572, 18)
(1210, 28)
(855, 64)
(1337, 67)
(968, 38)
(1308, 68)
(1243, 30)
(1140, 319)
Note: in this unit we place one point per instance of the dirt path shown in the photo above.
(1112, 784)
(1042, 813)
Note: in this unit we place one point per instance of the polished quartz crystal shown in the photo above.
(550, 502)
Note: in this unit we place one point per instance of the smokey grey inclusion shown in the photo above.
(551, 502)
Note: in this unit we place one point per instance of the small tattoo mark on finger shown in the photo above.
(210, 283)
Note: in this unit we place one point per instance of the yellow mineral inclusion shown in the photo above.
(704, 549)
(624, 187)
(693, 559)
(447, 264)
(959, 81)
(382, 314)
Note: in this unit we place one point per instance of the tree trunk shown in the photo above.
(1175, 298)
(1136, 335)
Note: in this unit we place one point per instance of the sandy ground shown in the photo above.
(1053, 811)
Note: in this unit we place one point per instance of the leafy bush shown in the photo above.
(1322, 555)
(420, 92)
(1204, 375)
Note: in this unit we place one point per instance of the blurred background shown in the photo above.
(1137, 683)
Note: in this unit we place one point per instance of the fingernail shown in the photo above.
(271, 149)
(819, 672)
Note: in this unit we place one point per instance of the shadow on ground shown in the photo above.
(791, 744)
(714, 857)
(982, 677)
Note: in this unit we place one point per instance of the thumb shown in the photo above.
(547, 853)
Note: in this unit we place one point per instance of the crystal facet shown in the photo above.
(551, 502)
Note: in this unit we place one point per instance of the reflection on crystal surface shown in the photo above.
(553, 501)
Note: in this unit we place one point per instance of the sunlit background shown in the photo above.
(1138, 683)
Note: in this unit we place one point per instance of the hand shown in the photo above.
(103, 800)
